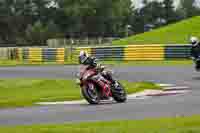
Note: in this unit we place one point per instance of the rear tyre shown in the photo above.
(197, 65)
(91, 94)
(119, 93)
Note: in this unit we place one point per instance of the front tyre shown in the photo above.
(90, 93)
(119, 93)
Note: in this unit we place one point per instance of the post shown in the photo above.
(71, 48)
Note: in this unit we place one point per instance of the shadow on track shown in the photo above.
(109, 102)
(196, 78)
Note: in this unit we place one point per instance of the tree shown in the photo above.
(114, 15)
(9, 20)
(53, 30)
(94, 17)
(151, 14)
(37, 33)
(17, 14)
(137, 22)
(169, 11)
(187, 8)
(21, 19)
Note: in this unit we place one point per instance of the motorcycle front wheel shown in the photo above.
(119, 93)
(90, 93)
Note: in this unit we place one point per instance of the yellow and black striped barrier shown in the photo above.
(123, 53)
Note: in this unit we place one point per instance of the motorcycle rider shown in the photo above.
(195, 51)
(85, 59)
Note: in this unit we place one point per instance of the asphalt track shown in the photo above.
(184, 104)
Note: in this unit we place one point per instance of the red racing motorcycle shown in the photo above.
(96, 87)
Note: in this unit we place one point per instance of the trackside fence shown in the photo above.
(109, 53)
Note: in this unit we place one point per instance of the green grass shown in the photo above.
(149, 63)
(177, 33)
(139, 86)
(10, 63)
(25, 92)
(164, 125)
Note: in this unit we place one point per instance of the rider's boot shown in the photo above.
(111, 79)
(114, 83)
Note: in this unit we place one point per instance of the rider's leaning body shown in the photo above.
(195, 50)
(91, 62)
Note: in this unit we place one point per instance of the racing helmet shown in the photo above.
(194, 40)
(82, 56)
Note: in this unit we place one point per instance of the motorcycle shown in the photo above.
(95, 87)
(197, 63)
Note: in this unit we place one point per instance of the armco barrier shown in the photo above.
(35, 55)
(60, 55)
(7, 53)
(177, 52)
(19, 54)
(49, 55)
(25, 54)
(4, 53)
(123, 53)
(144, 52)
(108, 53)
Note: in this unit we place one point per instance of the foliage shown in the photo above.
(188, 8)
(177, 33)
(85, 18)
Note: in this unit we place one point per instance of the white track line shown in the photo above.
(169, 93)
(62, 103)
(140, 95)
(176, 87)
(129, 97)
(166, 85)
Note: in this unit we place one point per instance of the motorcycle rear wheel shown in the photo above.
(91, 94)
(119, 93)
(197, 65)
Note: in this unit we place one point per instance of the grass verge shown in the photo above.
(177, 33)
(164, 125)
(12, 63)
(8, 62)
(25, 92)
(149, 63)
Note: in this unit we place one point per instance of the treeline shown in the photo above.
(155, 14)
(35, 21)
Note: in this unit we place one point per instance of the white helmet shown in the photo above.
(194, 40)
(83, 56)
(83, 53)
